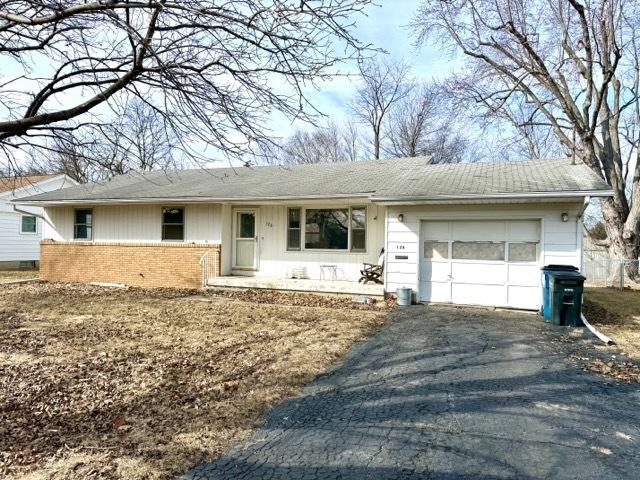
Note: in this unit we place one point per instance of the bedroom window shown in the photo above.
(173, 224)
(293, 229)
(83, 224)
(28, 224)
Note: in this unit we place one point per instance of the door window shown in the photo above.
(246, 225)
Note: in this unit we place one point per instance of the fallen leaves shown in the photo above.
(109, 384)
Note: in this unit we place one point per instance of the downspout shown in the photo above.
(26, 212)
(579, 233)
(33, 214)
(579, 230)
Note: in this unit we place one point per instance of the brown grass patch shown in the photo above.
(126, 384)
(617, 314)
(6, 275)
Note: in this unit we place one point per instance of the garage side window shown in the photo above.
(488, 251)
(523, 252)
(83, 224)
(436, 250)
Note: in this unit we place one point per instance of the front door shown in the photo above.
(245, 239)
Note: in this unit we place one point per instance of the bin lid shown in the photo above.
(556, 275)
(559, 268)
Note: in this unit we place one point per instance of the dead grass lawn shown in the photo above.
(17, 274)
(112, 384)
(617, 314)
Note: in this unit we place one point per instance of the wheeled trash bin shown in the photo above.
(565, 289)
(546, 281)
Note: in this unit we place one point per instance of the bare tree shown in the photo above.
(383, 85)
(212, 70)
(135, 141)
(513, 127)
(331, 143)
(422, 125)
(576, 63)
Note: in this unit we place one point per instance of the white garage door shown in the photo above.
(481, 262)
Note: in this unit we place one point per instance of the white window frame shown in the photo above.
(303, 228)
(89, 239)
(184, 223)
(22, 232)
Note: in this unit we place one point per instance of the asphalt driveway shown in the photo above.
(447, 393)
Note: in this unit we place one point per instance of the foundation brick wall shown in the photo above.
(136, 264)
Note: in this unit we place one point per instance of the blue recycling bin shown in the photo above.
(546, 286)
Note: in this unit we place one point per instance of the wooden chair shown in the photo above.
(373, 272)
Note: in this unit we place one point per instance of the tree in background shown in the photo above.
(135, 141)
(421, 124)
(330, 143)
(384, 84)
(576, 63)
(212, 71)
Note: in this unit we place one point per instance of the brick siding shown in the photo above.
(136, 264)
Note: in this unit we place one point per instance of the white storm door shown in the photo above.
(245, 239)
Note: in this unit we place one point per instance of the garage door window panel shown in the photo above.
(479, 251)
(526, 252)
(436, 250)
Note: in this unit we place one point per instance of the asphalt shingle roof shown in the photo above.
(410, 178)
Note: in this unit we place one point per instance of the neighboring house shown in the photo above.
(21, 232)
(474, 233)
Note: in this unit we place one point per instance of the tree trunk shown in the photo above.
(620, 246)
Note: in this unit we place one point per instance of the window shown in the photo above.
(436, 250)
(358, 229)
(173, 223)
(293, 229)
(83, 224)
(523, 252)
(327, 229)
(488, 251)
(28, 224)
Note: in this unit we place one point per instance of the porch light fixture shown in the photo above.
(564, 217)
(400, 217)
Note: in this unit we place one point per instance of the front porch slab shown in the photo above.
(298, 285)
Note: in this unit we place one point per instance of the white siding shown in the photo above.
(276, 261)
(16, 246)
(560, 241)
(213, 223)
(136, 223)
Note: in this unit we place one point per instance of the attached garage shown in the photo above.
(480, 262)
(483, 253)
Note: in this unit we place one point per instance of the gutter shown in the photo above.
(175, 200)
(366, 195)
(495, 196)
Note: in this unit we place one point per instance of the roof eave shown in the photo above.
(174, 200)
(494, 196)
